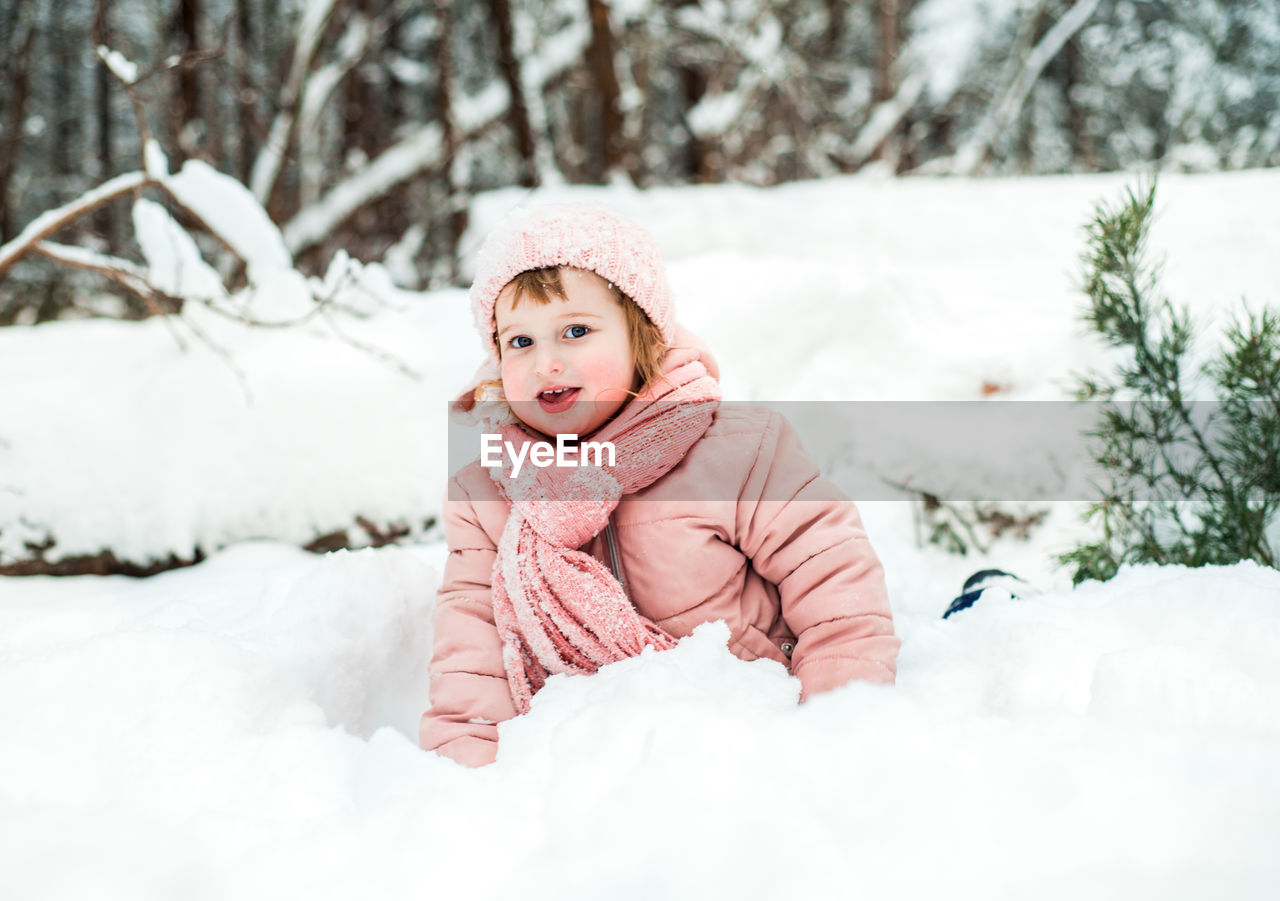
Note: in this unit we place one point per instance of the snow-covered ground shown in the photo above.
(247, 727)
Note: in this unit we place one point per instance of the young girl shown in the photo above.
(705, 512)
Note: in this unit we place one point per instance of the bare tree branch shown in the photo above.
(92, 261)
(124, 273)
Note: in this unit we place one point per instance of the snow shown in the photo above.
(156, 163)
(239, 729)
(246, 727)
(191, 448)
(121, 66)
(944, 32)
(174, 263)
(229, 208)
(714, 113)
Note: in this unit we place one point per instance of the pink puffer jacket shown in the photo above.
(786, 565)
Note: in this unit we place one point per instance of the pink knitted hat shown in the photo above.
(577, 235)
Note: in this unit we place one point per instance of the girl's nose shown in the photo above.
(548, 363)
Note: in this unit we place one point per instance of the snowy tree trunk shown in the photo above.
(886, 50)
(835, 31)
(601, 55)
(67, 133)
(1082, 143)
(703, 160)
(455, 219)
(17, 78)
(540, 66)
(245, 95)
(364, 125)
(106, 220)
(519, 112)
(186, 108)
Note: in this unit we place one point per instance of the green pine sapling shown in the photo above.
(1190, 482)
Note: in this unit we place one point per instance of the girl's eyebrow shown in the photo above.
(570, 314)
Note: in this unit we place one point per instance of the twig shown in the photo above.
(225, 354)
(932, 502)
(125, 274)
(79, 258)
(382, 356)
(188, 60)
(128, 83)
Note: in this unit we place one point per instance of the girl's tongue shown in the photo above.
(557, 402)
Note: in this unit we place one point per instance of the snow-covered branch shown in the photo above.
(92, 260)
(126, 274)
(51, 221)
(423, 149)
(420, 150)
(266, 169)
(316, 94)
(125, 70)
(1005, 108)
(885, 117)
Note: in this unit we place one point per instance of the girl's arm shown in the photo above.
(469, 694)
(803, 535)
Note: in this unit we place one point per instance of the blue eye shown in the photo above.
(519, 342)
(576, 331)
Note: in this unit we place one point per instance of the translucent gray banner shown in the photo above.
(956, 451)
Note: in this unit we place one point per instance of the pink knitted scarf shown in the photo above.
(559, 610)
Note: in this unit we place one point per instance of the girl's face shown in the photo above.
(566, 366)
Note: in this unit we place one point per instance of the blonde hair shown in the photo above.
(647, 344)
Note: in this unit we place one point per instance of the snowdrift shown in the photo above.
(244, 729)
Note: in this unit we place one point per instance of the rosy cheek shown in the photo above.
(514, 384)
(598, 369)
(607, 372)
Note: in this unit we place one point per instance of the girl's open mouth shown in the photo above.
(559, 400)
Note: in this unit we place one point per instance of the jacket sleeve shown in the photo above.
(469, 694)
(802, 534)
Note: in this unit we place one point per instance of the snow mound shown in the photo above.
(247, 727)
(174, 263)
(229, 208)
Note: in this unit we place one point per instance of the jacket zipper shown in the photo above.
(615, 563)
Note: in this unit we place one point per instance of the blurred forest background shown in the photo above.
(366, 125)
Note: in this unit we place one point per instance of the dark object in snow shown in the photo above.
(980, 581)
